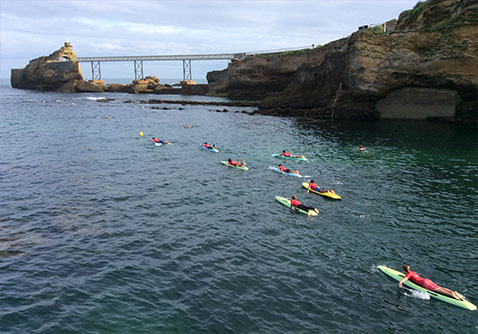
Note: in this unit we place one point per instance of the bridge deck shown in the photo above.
(226, 56)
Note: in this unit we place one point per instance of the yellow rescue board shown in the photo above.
(326, 194)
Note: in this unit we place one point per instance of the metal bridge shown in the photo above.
(186, 59)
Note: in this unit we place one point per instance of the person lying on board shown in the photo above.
(287, 170)
(361, 148)
(239, 163)
(211, 147)
(294, 203)
(314, 186)
(159, 141)
(289, 155)
(427, 284)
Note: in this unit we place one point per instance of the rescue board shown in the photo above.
(325, 194)
(242, 167)
(286, 202)
(399, 276)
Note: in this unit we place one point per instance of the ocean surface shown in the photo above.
(103, 232)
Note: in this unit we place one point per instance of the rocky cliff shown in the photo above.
(58, 72)
(61, 72)
(429, 57)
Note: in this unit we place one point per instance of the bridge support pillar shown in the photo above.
(187, 73)
(138, 70)
(95, 70)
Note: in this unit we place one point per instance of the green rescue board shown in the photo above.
(334, 196)
(243, 167)
(284, 201)
(290, 158)
(399, 276)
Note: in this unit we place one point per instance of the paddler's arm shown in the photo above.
(403, 280)
(308, 188)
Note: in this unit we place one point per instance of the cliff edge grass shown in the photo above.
(422, 66)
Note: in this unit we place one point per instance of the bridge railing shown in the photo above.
(187, 75)
(225, 56)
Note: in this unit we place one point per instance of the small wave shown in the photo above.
(417, 294)
(95, 98)
(374, 268)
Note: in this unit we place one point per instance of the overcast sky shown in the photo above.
(34, 28)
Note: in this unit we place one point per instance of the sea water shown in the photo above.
(103, 232)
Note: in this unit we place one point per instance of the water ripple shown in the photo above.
(100, 231)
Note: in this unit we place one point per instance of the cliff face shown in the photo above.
(433, 47)
(59, 71)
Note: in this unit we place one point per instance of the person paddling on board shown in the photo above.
(314, 186)
(361, 148)
(239, 163)
(294, 203)
(289, 155)
(159, 141)
(287, 170)
(211, 147)
(427, 284)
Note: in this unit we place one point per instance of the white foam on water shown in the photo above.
(374, 268)
(417, 294)
(95, 98)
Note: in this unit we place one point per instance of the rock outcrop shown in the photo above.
(432, 49)
(59, 72)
